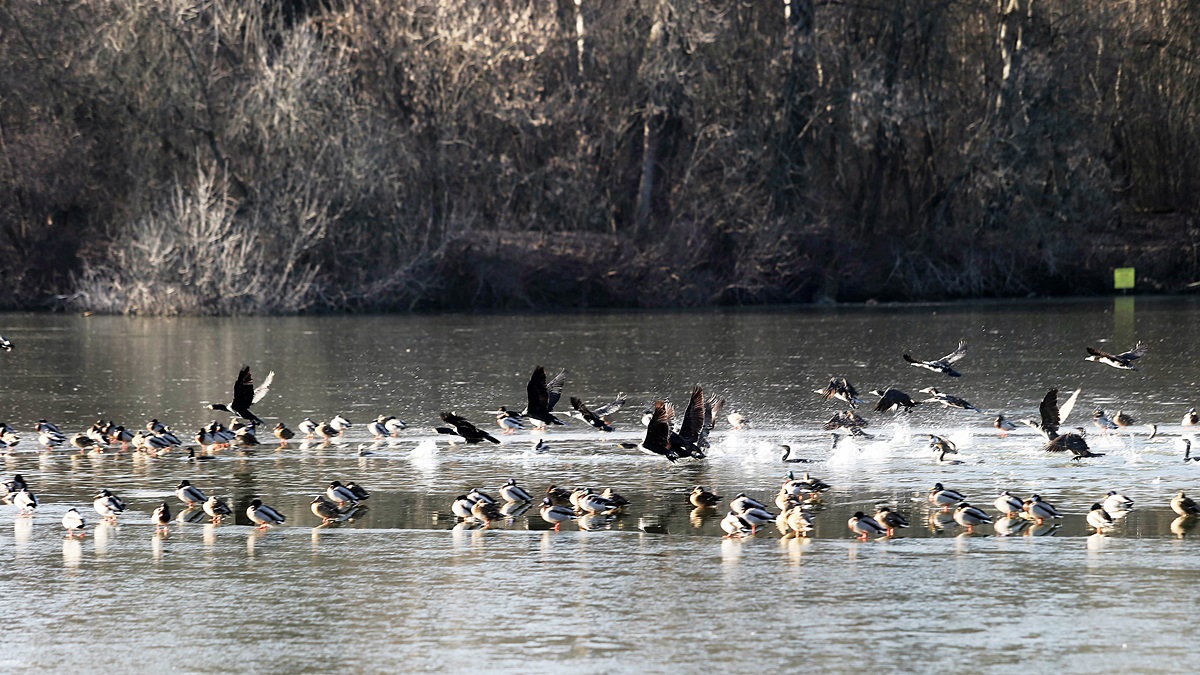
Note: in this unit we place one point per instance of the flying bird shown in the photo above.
(1124, 360)
(941, 365)
(841, 389)
(461, 427)
(543, 395)
(893, 400)
(245, 395)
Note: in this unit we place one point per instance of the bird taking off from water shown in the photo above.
(941, 365)
(1124, 360)
(245, 395)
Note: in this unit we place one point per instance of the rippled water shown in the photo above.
(402, 586)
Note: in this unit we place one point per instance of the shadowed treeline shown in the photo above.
(169, 157)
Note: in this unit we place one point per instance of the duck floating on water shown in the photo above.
(942, 365)
(1124, 360)
(245, 395)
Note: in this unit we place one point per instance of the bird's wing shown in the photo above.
(586, 414)
(693, 416)
(1104, 355)
(1065, 409)
(539, 398)
(1049, 411)
(912, 360)
(957, 353)
(261, 390)
(554, 389)
(1137, 352)
(611, 408)
(658, 432)
(712, 408)
(243, 389)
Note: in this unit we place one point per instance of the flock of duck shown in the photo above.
(797, 499)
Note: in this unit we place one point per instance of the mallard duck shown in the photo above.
(511, 492)
(893, 400)
(161, 517)
(83, 441)
(703, 498)
(12, 487)
(340, 494)
(283, 433)
(799, 521)
(1116, 503)
(477, 495)
(968, 516)
(486, 512)
(785, 500)
(378, 427)
(324, 509)
(245, 395)
(840, 388)
(108, 505)
(1040, 510)
(360, 493)
(594, 503)
(462, 427)
(307, 427)
(5, 344)
(941, 496)
(1098, 518)
(1123, 419)
(587, 415)
(1003, 425)
(736, 526)
(890, 520)
(339, 423)
(394, 425)
(245, 437)
(1124, 360)
(72, 521)
(264, 515)
(508, 420)
(864, 526)
(50, 440)
(553, 513)
(1181, 504)
(756, 517)
(1010, 525)
(741, 502)
(189, 494)
(461, 507)
(26, 502)
(1009, 505)
(941, 365)
(559, 496)
(614, 497)
(1190, 418)
(217, 509)
(543, 396)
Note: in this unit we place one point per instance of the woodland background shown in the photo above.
(183, 157)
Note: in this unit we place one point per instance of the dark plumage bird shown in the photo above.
(892, 400)
(461, 427)
(245, 395)
(1073, 443)
(1051, 414)
(941, 365)
(691, 429)
(658, 433)
(588, 416)
(788, 459)
(1124, 360)
(701, 497)
(543, 396)
(849, 421)
(947, 400)
(840, 389)
(5, 344)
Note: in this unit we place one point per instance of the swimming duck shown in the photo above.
(1098, 518)
(26, 501)
(340, 494)
(1116, 503)
(463, 428)
(543, 396)
(890, 520)
(307, 427)
(738, 421)
(1003, 425)
(968, 516)
(161, 517)
(263, 515)
(461, 507)
(893, 400)
(217, 509)
(1181, 504)
(72, 521)
(108, 505)
(942, 365)
(947, 400)
(245, 395)
(657, 440)
(701, 497)
(584, 413)
(552, 513)
(840, 388)
(540, 446)
(511, 492)
(864, 525)
(189, 494)
(1040, 510)
(193, 457)
(1009, 505)
(944, 497)
(324, 509)
(508, 420)
(1124, 360)
(788, 459)
(1190, 418)
(283, 433)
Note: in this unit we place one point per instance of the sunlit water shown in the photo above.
(402, 585)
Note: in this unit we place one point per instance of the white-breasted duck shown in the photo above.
(968, 516)
(1190, 418)
(1098, 518)
(378, 427)
(864, 526)
(736, 526)
(840, 388)
(461, 507)
(738, 421)
(73, 521)
(742, 503)
(799, 521)
(12, 487)
(108, 505)
(6, 344)
(395, 425)
(511, 492)
(461, 427)
(1009, 505)
(245, 395)
(947, 400)
(190, 494)
(890, 520)
(264, 516)
(941, 365)
(161, 517)
(25, 501)
(340, 494)
(543, 396)
(944, 497)
(307, 427)
(1116, 503)
(1003, 425)
(1124, 360)
(555, 514)
(508, 420)
(584, 413)
(339, 423)
(1040, 509)
(893, 400)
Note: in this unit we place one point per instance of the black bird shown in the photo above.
(892, 400)
(658, 432)
(588, 416)
(841, 389)
(5, 344)
(1051, 414)
(544, 395)
(245, 395)
(1124, 360)
(692, 428)
(947, 400)
(1071, 442)
(464, 428)
(942, 365)
(606, 411)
